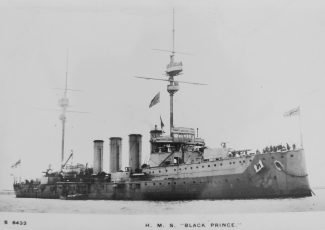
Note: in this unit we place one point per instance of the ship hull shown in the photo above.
(46, 191)
(272, 175)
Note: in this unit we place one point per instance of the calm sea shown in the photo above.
(9, 203)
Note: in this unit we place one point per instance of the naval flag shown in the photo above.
(161, 124)
(292, 112)
(16, 164)
(155, 100)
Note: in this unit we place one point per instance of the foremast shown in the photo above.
(173, 69)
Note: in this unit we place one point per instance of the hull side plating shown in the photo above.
(281, 174)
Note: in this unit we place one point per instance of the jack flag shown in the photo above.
(16, 164)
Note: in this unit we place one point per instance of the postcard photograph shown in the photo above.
(162, 114)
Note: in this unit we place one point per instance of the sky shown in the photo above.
(259, 59)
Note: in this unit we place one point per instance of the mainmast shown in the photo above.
(64, 103)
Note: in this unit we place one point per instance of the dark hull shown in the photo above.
(234, 178)
(36, 191)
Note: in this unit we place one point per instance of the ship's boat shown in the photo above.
(76, 196)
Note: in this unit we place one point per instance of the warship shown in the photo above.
(181, 166)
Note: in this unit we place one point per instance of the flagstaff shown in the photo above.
(296, 112)
(300, 129)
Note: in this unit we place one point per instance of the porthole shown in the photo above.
(215, 165)
(193, 182)
(291, 155)
(202, 166)
(282, 156)
(174, 182)
(154, 183)
(274, 177)
(221, 164)
(159, 171)
(226, 180)
(159, 183)
(191, 167)
(168, 182)
(230, 163)
(184, 182)
(174, 169)
(197, 167)
(244, 161)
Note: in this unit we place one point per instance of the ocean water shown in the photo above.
(9, 203)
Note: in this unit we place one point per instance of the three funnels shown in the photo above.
(135, 152)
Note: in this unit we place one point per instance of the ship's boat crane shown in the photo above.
(71, 155)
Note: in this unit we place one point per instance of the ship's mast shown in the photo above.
(173, 69)
(64, 103)
(173, 50)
